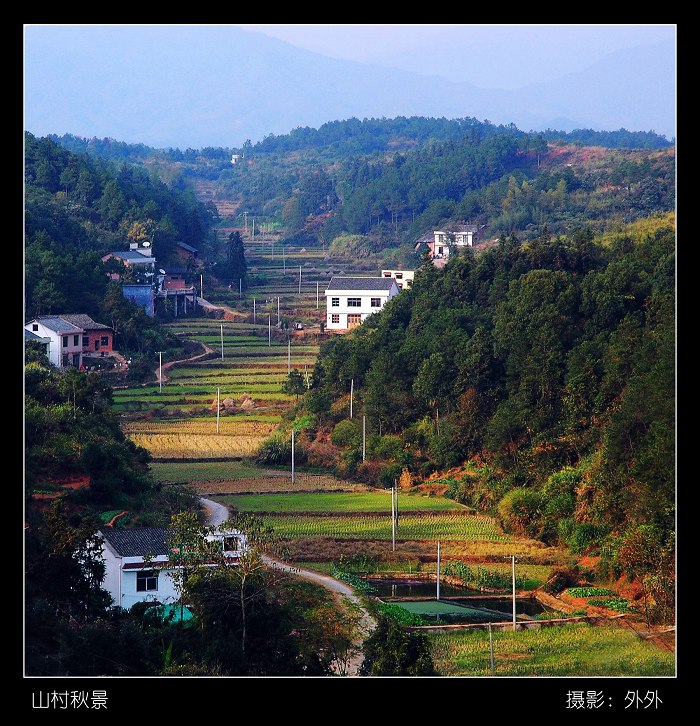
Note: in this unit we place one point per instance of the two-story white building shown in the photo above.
(136, 563)
(350, 300)
(65, 339)
(404, 278)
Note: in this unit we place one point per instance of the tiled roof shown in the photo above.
(132, 256)
(173, 270)
(32, 336)
(360, 283)
(59, 324)
(138, 541)
(84, 321)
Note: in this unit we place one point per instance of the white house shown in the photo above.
(350, 300)
(461, 236)
(65, 339)
(404, 278)
(136, 563)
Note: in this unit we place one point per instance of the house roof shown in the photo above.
(33, 336)
(187, 247)
(174, 270)
(84, 321)
(131, 256)
(360, 283)
(57, 323)
(138, 541)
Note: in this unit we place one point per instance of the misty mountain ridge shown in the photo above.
(227, 85)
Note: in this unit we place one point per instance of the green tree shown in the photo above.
(392, 650)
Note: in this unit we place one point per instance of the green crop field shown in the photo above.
(558, 650)
(376, 501)
(412, 526)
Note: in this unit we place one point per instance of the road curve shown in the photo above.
(218, 513)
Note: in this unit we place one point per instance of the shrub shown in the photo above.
(347, 433)
(520, 512)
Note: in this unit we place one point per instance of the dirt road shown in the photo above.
(218, 513)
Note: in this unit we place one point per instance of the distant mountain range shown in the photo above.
(197, 86)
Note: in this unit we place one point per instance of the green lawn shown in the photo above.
(560, 650)
(338, 502)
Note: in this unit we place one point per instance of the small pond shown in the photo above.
(416, 587)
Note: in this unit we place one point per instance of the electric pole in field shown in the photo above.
(438, 571)
(352, 387)
(300, 279)
(222, 341)
(513, 585)
(269, 330)
(218, 407)
(160, 370)
(254, 315)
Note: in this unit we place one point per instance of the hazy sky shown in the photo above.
(489, 56)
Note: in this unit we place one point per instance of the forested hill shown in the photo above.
(542, 375)
(393, 180)
(79, 207)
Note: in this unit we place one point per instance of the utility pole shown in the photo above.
(300, 279)
(284, 262)
(160, 370)
(240, 288)
(269, 330)
(438, 571)
(289, 356)
(254, 316)
(352, 386)
(308, 383)
(222, 341)
(393, 522)
(514, 626)
(316, 294)
(493, 665)
(201, 286)
(218, 406)
(253, 238)
(292, 456)
(245, 222)
(278, 311)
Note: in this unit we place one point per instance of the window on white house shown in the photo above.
(335, 319)
(376, 302)
(146, 581)
(35, 326)
(335, 302)
(399, 275)
(65, 341)
(76, 340)
(354, 302)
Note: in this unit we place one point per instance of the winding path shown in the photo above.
(172, 363)
(217, 514)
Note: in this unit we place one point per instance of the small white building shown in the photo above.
(136, 563)
(350, 300)
(404, 278)
(65, 340)
(462, 236)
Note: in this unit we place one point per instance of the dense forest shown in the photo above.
(393, 180)
(541, 375)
